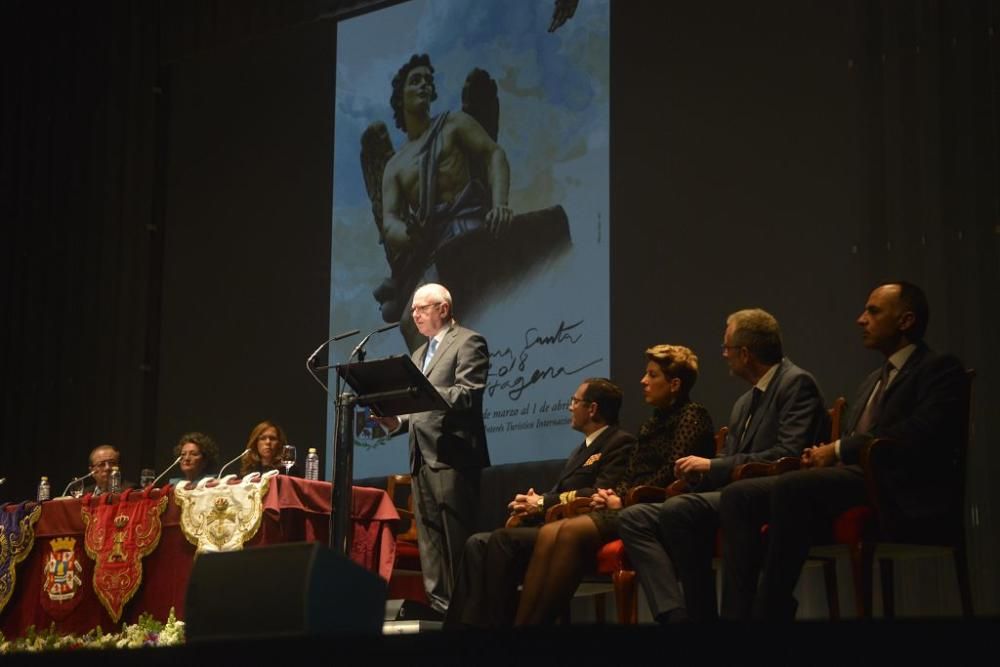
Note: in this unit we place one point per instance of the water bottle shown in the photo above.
(312, 464)
(115, 481)
(44, 490)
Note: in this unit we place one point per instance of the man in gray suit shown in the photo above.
(447, 447)
(672, 543)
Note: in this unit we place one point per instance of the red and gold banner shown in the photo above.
(17, 536)
(119, 533)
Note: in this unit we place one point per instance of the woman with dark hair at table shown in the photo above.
(199, 457)
(567, 549)
(265, 444)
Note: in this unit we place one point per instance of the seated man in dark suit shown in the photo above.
(102, 459)
(915, 398)
(781, 414)
(493, 564)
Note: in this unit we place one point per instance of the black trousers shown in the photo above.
(493, 566)
(444, 502)
(799, 508)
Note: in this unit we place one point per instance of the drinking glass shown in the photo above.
(146, 477)
(76, 488)
(287, 457)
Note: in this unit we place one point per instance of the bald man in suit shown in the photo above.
(447, 447)
(915, 398)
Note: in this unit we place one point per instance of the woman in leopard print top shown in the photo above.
(566, 549)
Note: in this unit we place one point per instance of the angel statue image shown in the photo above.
(440, 202)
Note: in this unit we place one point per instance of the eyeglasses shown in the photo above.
(573, 400)
(423, 309)
(109, 463)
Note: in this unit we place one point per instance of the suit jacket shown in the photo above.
(791, 416)
(923, 408)
(599, 466)
(455, 437)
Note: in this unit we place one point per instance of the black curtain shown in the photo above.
(866, 131)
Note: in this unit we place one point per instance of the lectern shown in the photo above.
(390, 386)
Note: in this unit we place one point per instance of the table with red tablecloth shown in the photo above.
(295, 510)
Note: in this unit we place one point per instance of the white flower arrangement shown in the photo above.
(147, 632)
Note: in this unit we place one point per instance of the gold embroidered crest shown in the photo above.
(594, 458)
(225, 516)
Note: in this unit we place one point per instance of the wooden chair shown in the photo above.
(858, 528)
(407, 580)
(788, 464)
(612, 560)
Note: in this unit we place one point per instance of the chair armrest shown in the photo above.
(647, 494)
(786, 464)
(566, 510)
(677, 487)
(410, 534)
(763, 469)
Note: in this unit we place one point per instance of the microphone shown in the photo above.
(168, 468)
(347, 334)
(71, 483)
(238, 457)
(359, 350)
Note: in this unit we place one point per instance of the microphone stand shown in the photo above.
(359, 349)
(72, 482)
(311, 367)
(167, 469)
(238, 457)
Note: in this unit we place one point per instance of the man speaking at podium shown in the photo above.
(447, 447)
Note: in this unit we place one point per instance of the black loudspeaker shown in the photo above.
(284, 590)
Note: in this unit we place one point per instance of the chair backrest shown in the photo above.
(403, 501)
(720, 439)
(836, 412)
(948, 485)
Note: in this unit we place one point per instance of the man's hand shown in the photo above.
(389, 422)
(605, 499)
(691, 468)
(498, 219)
(525, 504)
(820, 456)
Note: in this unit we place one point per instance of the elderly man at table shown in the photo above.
(102, 459)
(493, 564)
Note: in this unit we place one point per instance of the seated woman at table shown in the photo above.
(199, 457)
(567, 549)
(265, 444)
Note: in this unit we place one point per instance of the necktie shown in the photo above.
(754, 402)
(870, 415)
(431, 348)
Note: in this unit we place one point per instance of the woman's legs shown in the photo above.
(565, 551)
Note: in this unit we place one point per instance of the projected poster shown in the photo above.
(484, 167)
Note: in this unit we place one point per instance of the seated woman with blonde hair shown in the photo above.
(567, 549)
(265, 444)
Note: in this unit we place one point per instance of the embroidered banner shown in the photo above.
(61, 582)
(17, 536)
(222, 517)
(119, 534)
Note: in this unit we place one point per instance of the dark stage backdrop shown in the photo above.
(165, 191)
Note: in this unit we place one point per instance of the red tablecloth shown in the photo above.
(295, 510)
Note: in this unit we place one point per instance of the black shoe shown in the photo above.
(673, 616)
